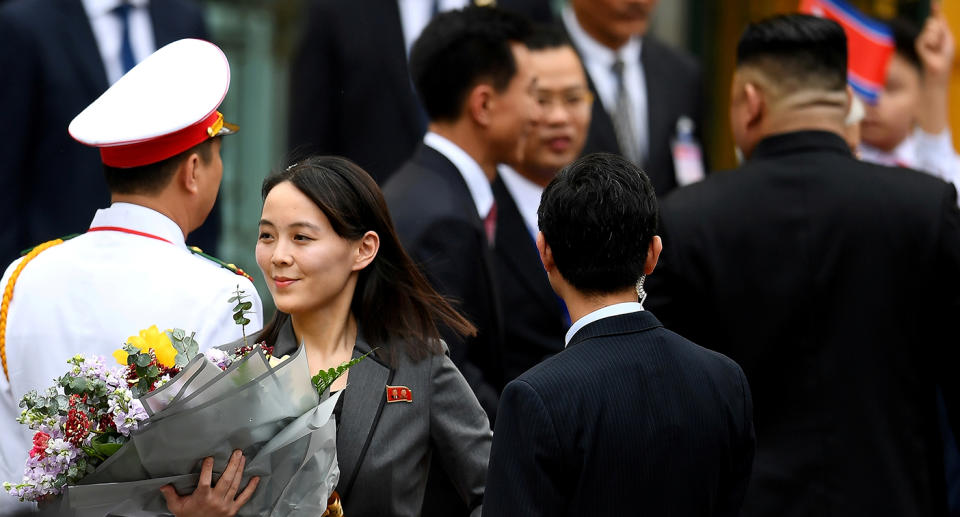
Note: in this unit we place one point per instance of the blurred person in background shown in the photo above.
(649, 105)
(537, 318)
(57, 56)
(833, 282)
(351, 93)
(908, 126)
(472, 72)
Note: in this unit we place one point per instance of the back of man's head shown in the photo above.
(460, 49)
(151, 179)
(598, 217)
(796, 52)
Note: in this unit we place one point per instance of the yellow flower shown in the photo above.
(121, 356)
(158, 341)
(276, 361)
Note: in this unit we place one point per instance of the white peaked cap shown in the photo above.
(160, 108)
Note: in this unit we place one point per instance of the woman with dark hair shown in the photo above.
(344, 286)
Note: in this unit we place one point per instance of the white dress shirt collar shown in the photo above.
(470, 170)
(598, 60)
(140, 219)
(107, 31)
(100, 7)
(526, 195)
(415, 15)
(606, 312)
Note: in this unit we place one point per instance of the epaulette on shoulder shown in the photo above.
(232, 267)
(62, 239)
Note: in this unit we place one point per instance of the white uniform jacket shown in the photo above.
(90, 293)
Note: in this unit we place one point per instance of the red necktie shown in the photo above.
(490, 224)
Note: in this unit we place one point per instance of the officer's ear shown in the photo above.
(188, 173)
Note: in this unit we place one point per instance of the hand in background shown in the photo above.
(936, 47)
(213, 501)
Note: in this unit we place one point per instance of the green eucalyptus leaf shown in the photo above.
(107, 449)
(179, 334)
(143, 360)
(246, 306)
(233, 299)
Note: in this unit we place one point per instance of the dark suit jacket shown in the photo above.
(51, 185)
(437, 222)
(385, 449)
(630, 419)
(351, 93)
(674, 89)
(536, 325)
(834, 283)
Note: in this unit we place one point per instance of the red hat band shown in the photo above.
(137, 154)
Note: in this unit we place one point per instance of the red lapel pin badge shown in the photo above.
(399, 394)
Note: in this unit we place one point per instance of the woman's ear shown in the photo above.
(367, 248)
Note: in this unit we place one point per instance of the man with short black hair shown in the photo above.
(472, 72)
(833, 282)
(630, 418)
(538, 319)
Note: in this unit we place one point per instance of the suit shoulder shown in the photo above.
(705, 356)
(417, 192)
(679, 60)
(24, 17)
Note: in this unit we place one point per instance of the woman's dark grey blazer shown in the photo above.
(385, 448)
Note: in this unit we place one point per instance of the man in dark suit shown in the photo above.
(351, 93)
(630, 418)
(649, 96)
(537, 317)
(53, 67)
(471, 68)
(833, 282)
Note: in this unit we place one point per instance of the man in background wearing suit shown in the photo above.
(351, 93)
(630, 418)
(472, 71)
(834, 283)
(537, 318)
(57, 56)
(649, 95)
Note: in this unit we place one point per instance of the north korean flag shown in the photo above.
(869, 44)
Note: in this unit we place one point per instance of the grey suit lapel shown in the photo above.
(363, 403)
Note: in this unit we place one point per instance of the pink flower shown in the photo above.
(39, 445)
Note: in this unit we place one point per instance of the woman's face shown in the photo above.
(306, 265)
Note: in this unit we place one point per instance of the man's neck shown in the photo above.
(580, 304)
(604, 38)
(465, 137)
(157, 204)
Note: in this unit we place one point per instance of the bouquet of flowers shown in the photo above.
(108, 437)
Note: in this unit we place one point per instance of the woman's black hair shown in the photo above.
(393, 301)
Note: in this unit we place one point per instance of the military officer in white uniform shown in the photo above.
(159, 132)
